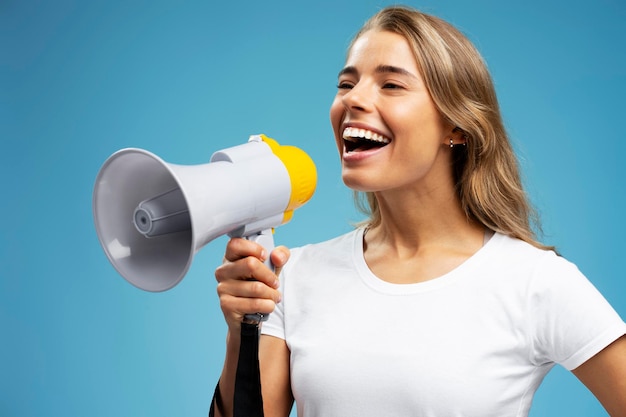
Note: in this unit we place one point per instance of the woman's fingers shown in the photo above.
(238, 248)
(248, 289)
(235, 308)
(245, 284)
(246, 269)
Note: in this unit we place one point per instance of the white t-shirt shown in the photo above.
(475, 342)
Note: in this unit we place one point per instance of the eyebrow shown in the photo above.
(381, 69)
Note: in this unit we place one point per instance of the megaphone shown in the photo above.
(152, 217)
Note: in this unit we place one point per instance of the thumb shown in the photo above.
(279, 257)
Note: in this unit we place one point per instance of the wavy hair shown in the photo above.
(486, 170)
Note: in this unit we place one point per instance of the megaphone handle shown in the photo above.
(264, 238)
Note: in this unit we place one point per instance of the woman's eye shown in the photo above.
(343, 85)
(391, 86)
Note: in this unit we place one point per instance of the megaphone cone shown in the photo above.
(152, 217)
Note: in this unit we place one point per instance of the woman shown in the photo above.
(443, 303)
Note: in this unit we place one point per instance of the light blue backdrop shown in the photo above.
(81, 79)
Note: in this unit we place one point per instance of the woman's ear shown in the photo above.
(457, 137)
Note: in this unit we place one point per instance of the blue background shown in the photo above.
(80, 80)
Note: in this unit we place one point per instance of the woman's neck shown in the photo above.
(410, 220)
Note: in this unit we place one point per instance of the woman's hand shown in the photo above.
(245, 284)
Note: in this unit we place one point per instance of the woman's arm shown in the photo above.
(246, 286)
(605, 376)
(275, 377)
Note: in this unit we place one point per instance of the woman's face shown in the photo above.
(388, 131)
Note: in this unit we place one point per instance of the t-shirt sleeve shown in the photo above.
(570, 320)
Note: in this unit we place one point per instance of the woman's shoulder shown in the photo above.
(521, 256)
(341, 246)
(343, 241)
(511, 249)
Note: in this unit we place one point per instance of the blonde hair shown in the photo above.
(486, 169)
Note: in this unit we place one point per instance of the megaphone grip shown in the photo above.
(264, 238)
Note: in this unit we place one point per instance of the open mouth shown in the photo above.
(358, 140)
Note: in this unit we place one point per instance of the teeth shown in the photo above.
(352, 133)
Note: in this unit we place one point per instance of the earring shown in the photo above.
(451, 143)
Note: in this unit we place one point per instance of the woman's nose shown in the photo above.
(357, 99)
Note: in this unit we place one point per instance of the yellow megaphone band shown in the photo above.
(302, 174)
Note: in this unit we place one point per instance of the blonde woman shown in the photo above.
(444, 303)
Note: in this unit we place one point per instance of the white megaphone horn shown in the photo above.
(152, 217)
